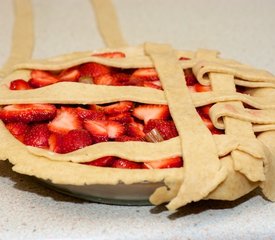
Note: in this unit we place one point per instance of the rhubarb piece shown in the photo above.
(167, 129)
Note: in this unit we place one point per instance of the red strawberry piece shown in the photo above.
(38, 136)
(111, 129)
(152, 84)
(174, 162)
(55, 142)
(184, 58)
(66, 120)
(125, 117)
(190, 77)
(119, 107)
(69, 75)
(135, 129)
(121, 78)
(97, 129)
(115, 129)
(19, 84)
(106, 79)
(204, 110)
(95, 107)
(148, 111)
(102, 162)
(41, 78)
(90, 114)
(27, 113)
(125, 138)
(18, 129)
(167, 129)
(207, 121)
(93, 70)
(110, 55)
(123, 163)
(217, 131)
(75, 139)
(201, 88)
(144, 74)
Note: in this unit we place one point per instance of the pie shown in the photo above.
(85, 118)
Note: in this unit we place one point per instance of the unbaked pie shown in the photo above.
(89, 119)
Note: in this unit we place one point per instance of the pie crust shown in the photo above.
(224, 167)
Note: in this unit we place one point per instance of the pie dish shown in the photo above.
(216, 117)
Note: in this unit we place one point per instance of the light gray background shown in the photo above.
(240, 29)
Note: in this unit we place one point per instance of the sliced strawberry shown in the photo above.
(201, 88)
(76, 139)
(119, 107)
(97, 129)
(147, 111)
(27, 113)
(18, 129)
(125, 117)
(123, 163)
(144, 74)
(106, 79)
(111, 129)
(190, 77)
(19, 84)
(41, 78)
(135, 129)
(38, 136)
(125, 138)
(174, 162)
(110, 55)
(93, 70)
(102, 162)
(121, 78)
(115, 129)
(167, 129)
(55, 142)
(90, 114)
(204, 110)
(69, 75)
(152, 84)
(66, 119)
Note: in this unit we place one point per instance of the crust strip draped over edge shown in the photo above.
(200, 169)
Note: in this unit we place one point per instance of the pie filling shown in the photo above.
(66, 128)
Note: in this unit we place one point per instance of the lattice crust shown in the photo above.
(224, 166)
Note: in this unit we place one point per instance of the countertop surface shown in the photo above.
(239, 29)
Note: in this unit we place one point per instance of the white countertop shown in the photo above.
(239, 29)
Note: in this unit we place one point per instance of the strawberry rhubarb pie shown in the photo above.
(192, 124)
